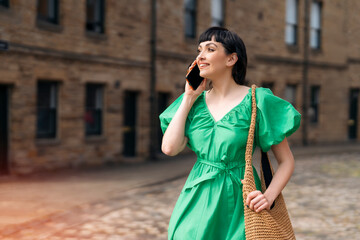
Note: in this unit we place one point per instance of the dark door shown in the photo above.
(3, 129)
(353, 117)
(163, 99)
(129, 128)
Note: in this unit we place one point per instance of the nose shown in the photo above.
(200, 56)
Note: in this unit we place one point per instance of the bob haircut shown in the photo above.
(232, 43)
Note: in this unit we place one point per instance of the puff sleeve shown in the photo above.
(167, 115)
(275, 119)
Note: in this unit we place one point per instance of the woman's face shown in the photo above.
(211, 59)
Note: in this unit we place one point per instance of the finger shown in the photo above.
(255, 200)
(262, 207)
(252, 195)
(248, 199)
(200, 88)
(260, 203)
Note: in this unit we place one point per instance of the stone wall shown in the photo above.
(120, 59)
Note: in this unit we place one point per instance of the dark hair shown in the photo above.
(232, 43)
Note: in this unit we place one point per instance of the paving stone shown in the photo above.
(322, 199)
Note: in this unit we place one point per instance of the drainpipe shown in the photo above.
(153, 98)
(305, 75)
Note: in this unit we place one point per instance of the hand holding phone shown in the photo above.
(193, 76)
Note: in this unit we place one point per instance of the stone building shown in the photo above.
(76, 76)
(274, 35)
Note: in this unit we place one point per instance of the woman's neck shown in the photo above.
(224, 87)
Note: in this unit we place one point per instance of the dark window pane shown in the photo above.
(290, 94)
(93, 122)
(95, 12)
(314, 108)
(93, 109)
(4, 3)
(46, 109)
(190, 18)
(46, 123)
(48, 11)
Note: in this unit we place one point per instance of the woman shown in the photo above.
(215, 125)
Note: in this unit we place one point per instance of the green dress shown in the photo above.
(210, 205)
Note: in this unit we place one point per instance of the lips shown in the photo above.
(203, 65)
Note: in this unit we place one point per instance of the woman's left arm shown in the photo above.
(286, 163)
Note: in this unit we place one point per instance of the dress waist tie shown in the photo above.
(220, 167)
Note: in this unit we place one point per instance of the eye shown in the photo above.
(211, 50)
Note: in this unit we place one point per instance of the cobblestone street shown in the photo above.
(322, 198)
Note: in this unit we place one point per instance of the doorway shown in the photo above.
(4, 116)
(129, 129)
(353, 113)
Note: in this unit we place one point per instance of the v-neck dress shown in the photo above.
(210, 204)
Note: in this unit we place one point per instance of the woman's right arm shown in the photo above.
(174, 139)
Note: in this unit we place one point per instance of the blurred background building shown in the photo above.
(83, 81)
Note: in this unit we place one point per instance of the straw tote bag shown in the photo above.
(271, 224)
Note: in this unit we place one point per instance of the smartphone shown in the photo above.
(193, 76)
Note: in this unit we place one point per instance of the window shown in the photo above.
(95, 12)
(48, 11)
(190, 18)
(4, 3)
(46, 109)
(314, 107)
(217, 13)
(290, 94)
(315, 25)
(291, 27)
(93, 109)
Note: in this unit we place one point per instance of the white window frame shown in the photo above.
(217, 13)
(315, 25)
(291, 22)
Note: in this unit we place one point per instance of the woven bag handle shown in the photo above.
(267, 171)
(249, 182)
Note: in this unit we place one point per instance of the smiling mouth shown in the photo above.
(202, 65)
